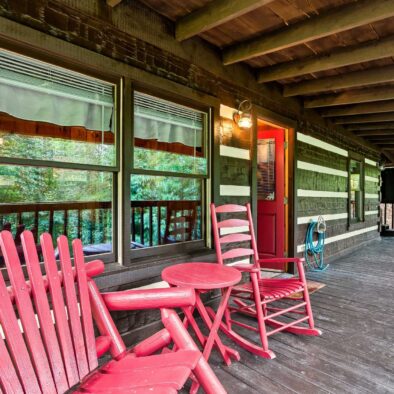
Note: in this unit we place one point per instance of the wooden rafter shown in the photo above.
(351, 97)
(340, 19)
(359, 109)
(381, 142)
(362, 119)
(113, 3)
(370, 127)
(372, 50)
(214, 14)
(344, 81)
(386, 146)
(374, 133)
(381, 137)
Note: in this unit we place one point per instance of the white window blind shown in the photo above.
(165, 121)
(38, 91)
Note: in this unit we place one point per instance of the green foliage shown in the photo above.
(29, 185)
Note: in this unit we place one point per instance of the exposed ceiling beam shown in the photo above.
(372, 50)
(370, 127)
(382, 143)
(359, 109)
(351, 97)
(375, 133)
(214, 14)
(340, 19)
(386, 146)
(113, 3)
(389, 117)
(344, 81)
(387, 137)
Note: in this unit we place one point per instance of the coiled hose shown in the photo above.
(314, 251)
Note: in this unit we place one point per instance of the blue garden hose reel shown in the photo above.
(314, 250)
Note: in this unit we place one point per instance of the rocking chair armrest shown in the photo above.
(246, 267)
(149, 299)
(280, 260)
(299, 261)
(94, 268)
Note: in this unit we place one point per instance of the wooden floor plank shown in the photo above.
(355, 353)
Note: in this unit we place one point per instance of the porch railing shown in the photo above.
(91, 220)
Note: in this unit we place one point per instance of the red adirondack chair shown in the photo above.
(253, 298)
(54, 349)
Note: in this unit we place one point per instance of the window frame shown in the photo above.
(360, 159)
(116, 81)
(129, 170)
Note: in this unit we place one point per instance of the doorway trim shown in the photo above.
(290, 125)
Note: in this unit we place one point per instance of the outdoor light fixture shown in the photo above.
(243, 117)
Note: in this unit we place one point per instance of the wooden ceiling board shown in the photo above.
(274, 16)
(245, 27)
(288, 12)
(175, 9)
(317, 47)
(384, 27)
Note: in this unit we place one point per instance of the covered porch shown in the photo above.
(127, 123)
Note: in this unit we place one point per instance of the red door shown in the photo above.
(270, 192)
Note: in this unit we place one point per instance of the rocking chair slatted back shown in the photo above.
(236, 230)
(46, 357)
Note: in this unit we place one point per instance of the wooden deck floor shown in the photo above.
(356, 352)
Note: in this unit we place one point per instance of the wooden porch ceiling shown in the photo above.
(336, 55)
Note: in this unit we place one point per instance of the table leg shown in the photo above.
(213, 337)
(189, 319)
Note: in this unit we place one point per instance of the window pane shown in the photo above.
(266, 169)
(168, 137)
(355, 191)
(59, 201)
(50, 113)
(164, 210)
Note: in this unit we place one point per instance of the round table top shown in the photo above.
(203, 276)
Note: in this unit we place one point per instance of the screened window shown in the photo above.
(169, 171)
(57, 134)
(356, 191)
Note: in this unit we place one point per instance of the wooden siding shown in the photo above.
(233, 160)
(322, 189)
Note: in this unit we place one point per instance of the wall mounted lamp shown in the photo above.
(243, 116)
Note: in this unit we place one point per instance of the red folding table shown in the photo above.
(204, 277)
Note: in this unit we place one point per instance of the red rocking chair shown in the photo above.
(47, 342)
(255, 296)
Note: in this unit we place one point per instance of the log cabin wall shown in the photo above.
(134, 35)
(322, 189)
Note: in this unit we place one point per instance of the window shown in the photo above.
(266, 169)
(169, 171)
(58, 152)
(356, 191)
